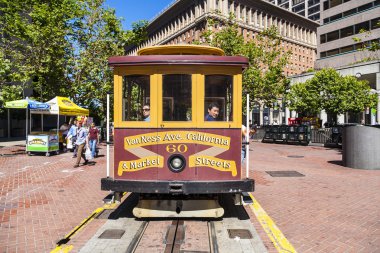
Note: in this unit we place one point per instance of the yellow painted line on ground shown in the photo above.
(274, 233)
(62, 247)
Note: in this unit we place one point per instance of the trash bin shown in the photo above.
(274, 130)
(292, 133)
(283, 133)
(268, 137)
(303, 134)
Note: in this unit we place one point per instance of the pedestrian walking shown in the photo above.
(72, 135)
(93, 138)
(81, 143)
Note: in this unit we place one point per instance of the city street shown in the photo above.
(329, 209)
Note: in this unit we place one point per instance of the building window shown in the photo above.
(334, 3)
(362, 26)
(375, 23)
(313, 10)
(299, 8)
(332, 52)
(332, 36)
(365, 7)
(347, 49)
(312, 2)
(345, 32)
(351, 12)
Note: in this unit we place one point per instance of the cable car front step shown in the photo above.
(189, 208)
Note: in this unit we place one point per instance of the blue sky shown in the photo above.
(135, 10)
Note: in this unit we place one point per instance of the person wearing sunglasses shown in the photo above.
(146, 112)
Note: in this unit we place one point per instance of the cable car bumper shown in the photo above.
(178, 187)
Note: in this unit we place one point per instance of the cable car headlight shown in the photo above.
(176, 163)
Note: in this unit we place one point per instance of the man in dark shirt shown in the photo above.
(213, 112)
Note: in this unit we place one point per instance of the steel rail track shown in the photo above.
(175, 236)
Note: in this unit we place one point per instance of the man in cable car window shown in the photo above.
(213, 112)
(146, 113)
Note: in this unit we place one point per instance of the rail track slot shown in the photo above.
(175, 236)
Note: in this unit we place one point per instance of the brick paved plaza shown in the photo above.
(330, 209)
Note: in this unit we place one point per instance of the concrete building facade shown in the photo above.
(307, 8)
(340, 36)
(184, 21)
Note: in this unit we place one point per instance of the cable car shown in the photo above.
(178, 130)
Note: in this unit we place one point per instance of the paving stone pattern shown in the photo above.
(330, 209)
(43, 198)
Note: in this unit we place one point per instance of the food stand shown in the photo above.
(35, 142)
(43, 142)
(61, 106)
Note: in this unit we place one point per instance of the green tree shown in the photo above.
(61, 47)
(264, 79)
(97, 36)
(304, 99)
(332, 92)
(33, 40)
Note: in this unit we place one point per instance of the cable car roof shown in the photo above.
(181, 50)
(179, 55)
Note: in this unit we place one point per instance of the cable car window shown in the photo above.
(176, 101)
(136, 97)
(218, 98)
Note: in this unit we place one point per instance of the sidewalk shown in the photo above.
(44, 198)
(330, 209)
(11, 143)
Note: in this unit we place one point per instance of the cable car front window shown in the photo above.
(136, 98)
(176, 100)
(218, 98)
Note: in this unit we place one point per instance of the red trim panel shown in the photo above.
(210, 154)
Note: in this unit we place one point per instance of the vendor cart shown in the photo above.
(41, 142)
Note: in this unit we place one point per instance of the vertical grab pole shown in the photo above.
(9, 125)
(26, 125)
(247, 140)
(108, 135)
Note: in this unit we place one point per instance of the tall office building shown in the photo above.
(342, 23)
(306, 8)
(184, 21)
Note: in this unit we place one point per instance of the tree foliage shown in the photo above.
(332, 92)
(33, 40)
(264, 79)
(61, 47)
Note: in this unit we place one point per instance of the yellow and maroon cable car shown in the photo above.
(171, 150)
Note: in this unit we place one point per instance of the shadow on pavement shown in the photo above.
(231, 210)
(338, 162)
